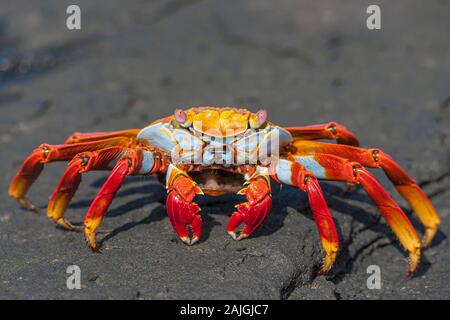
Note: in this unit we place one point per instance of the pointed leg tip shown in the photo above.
(411, 271)
(92, 243)
(194, 240)
(410, 274)
(74, 229)
(34, 209)
(236, 237)
(95, 248)
(233, 235)
(323, 270)
(428, 238)
(327, 263)
(67, 225)
(320, 272)
(24, 202)
(188, 241)
(242, 236)
(414, 260)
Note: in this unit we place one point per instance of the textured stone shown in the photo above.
(306, 62)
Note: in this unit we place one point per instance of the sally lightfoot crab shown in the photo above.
(210, 150)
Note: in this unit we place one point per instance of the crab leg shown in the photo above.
(292, 173)
(182, 211)
(134, 162)
(405, 185)
(330, 130)
(95, 136)
(68, 185)
(45, 153)
(331, 167)
(253, 212)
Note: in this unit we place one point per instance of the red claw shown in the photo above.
(252, 215)
(184, 214)
(253, 212)
(234, 222)
(182, 211)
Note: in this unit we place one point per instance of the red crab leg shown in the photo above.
(45, 153)
(94, 136)
(68, 185)
(182, 211)
(332, 167)
(405, 185)
(294, 174)
(330, 130)
(253, 212)
(134, 162)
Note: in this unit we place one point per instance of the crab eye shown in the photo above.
(262, 117)
(180, 116)
(258, 119)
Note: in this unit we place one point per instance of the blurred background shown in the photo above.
(306, 62)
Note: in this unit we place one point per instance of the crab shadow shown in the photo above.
(157, 214)
(346, 203)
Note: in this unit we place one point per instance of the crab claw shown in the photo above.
(251, 215)
(182, 211)
(233, 224)
(184, 217)
(253, 212)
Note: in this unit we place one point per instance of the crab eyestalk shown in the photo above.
(182, 118)
(258, 119)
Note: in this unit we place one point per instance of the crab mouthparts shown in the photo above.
(217, 182)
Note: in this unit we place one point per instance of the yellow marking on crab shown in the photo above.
(90, 225)
(253, 120)
(424, 209)
(172, 172)
(331, 249)
(219, 123)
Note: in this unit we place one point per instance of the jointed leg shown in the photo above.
(330, 130)
(375, 158)
(292, 173)
(332, 167)
(134, 162)
(34, 164)
(102, 201)
(253, 212)
(68, 185)
(182, 211)
(78, 137)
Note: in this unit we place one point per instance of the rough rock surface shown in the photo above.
(305, 61)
